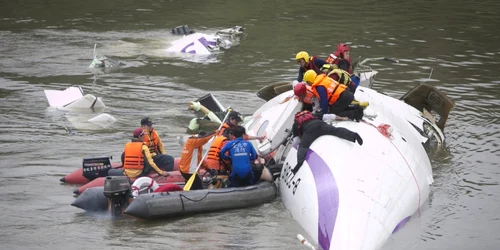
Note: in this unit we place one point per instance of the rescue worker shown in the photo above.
(241, 154)
(305, 94)
(341, 58)
(333, 97)
(308, 63)
(137, 160)
(233, 119)
(188, 164)
(339, 75)
(307, 128)
(213, 161)
(155, 145)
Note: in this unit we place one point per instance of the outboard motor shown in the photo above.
(182, 30)
(96, 167)
(117, 190)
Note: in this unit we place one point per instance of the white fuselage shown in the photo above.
(197, 43)
(73, 101)
(348, 196)
(206, 44)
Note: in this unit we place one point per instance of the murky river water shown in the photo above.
(48, 45)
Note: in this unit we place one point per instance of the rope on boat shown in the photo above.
(384, 129)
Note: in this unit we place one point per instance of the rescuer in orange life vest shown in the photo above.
(213, 161)
(306, 95)
(333, 97)
(137, 160)
(191, 156)
(307, 128)
(155, 145)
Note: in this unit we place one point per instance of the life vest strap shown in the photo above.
(332, 94)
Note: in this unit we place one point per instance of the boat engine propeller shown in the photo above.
(117, 190)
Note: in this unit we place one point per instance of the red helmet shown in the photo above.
(137, 132)
(341, 48)
(299, 89)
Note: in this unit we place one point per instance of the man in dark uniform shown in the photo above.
(308, 128)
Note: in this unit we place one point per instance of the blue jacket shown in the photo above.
(241, 153)
(316, 66)
(323, 101)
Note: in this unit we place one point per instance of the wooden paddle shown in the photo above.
(190, 182)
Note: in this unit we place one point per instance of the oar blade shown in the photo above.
(189, 183)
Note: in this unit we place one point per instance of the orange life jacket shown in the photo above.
(301, 118)
(217, 144)
(222, 128)
(333, 88)
(134, 158)
(308, 98)
(152, 142)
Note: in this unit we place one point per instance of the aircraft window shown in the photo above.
(262, 128)
(254, 123)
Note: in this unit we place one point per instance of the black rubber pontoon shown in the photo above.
(167, 204)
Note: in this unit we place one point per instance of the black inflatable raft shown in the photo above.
(116, 196)
(155, 205)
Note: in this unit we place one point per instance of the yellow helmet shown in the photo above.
(310, 75)
(302, 55)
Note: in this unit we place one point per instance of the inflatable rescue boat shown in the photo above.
(168, 200)
(95, 169)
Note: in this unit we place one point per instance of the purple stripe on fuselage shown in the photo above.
(401, 224)
(328, 197)
(187, 46)
(206, 43)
